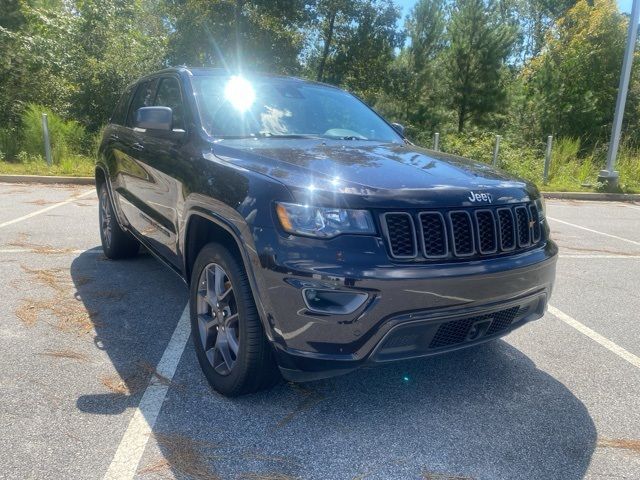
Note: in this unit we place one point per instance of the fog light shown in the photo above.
(332, 301)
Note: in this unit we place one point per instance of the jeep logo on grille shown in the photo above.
(480, 197)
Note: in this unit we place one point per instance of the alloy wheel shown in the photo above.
(218, 320)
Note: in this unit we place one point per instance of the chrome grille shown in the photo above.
(468, 233)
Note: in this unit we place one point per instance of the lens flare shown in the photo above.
(240, 93)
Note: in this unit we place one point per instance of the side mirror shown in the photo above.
(154, 118)
(398, 128)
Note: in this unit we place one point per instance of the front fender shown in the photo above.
(240, 232)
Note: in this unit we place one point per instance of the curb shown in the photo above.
(593, 196)
(47, 179)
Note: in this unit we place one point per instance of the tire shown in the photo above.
(116, 242)
(224, 318)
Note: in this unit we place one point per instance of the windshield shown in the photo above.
(234, 107)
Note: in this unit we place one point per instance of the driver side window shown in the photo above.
(169, 96)
(142, 98)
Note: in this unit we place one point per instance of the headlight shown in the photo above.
(323, 222)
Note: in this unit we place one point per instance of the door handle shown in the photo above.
(137, 146)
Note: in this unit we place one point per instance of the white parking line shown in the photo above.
(127, 457)
(54, 251)
(595, 336)
(594, 231)
(47, 209)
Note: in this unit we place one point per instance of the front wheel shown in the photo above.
(116, 243)
(228, 336)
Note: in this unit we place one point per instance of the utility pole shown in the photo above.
(610, 176)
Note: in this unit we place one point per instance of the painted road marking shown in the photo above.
(127, 457)
(47, 209)
(595, 336)
(594, 231)
(55, 251)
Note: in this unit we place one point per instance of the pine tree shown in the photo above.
(479, 44)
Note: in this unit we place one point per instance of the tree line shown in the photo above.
(523, 68)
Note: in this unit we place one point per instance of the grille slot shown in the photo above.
(462, 233)
(522, 222)
(507, 229)
(535, 217)
(487, 241)
(434, 235)
(401, 235)
(456, 331)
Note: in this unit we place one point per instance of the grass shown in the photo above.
(571, 169)
(72, 165)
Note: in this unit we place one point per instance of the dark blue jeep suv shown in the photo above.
(314, 237)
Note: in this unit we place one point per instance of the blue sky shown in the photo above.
(625, 5)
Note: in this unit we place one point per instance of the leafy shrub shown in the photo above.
(66, 136)
(8, 144)
(629, 168)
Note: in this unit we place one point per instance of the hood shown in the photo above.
(365, 172)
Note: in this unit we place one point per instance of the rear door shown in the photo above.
(131, 174)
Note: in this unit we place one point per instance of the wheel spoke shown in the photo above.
(211, 286)
(219, 281)
(222, 347)
(207, 328)
(231, 320)
(223, 297)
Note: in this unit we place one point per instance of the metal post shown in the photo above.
(547, 160)
(496, 150)
(610, 176)
(436, 142)
(47, 143)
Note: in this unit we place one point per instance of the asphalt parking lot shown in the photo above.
(88, 386)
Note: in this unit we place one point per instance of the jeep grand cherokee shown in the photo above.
(313, 236)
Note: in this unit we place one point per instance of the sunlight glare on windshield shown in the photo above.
(240, 93)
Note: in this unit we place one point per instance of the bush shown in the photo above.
(629, 168)
(67, 136)
(9, 145)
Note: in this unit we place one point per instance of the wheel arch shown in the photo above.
(202, 228)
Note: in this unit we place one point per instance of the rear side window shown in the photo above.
(169, 96)
(119, 115)
(142, 98)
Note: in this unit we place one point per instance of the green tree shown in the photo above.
(368, 47)
(479, 44)
(572, 85)
(127, 40)
(36, 59)
(414, 93)
(237, 34)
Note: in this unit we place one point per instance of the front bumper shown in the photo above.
(412, 310)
